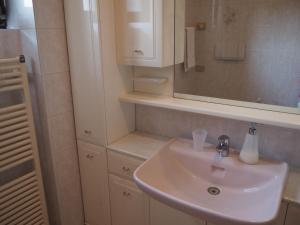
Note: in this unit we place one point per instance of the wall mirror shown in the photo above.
(240, 52)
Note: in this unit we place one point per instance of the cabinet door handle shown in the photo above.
(89, 156)
(126, 194)
(138, 51)
(126, 169)
(88, 132)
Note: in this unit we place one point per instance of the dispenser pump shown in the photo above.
(249, 153)
(252, 130)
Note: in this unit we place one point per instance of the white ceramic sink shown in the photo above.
(180, 177)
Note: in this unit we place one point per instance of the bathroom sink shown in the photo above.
(224, 191)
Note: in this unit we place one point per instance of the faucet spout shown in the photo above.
(223, 146)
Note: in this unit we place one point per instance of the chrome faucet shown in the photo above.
(223, 146)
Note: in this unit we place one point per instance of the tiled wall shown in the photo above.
(57, 117)
(10, 46)
(9, 43)
(270, 30)
(274, 142)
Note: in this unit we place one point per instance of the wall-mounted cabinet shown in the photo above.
(145, 32)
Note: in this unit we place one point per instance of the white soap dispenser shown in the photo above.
(249, 153)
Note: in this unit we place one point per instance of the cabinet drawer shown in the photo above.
(129, 205)
(122, 165)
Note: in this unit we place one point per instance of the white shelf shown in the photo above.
(139, 144)
(231, 112)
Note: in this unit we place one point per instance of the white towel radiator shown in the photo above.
(22, 199)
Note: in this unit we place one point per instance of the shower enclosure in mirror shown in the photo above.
(240, 52)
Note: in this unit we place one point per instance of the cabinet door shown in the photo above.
(161, 214)
(129, 205)
(94, 181)
(135, 26)
(281, 215)
(293, 215)
(278, 221)
(86, 76)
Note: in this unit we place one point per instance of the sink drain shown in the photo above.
(213, 190)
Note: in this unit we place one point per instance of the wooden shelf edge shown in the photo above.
(273, 118)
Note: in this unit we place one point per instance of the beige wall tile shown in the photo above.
(274, 142)
(49, 14)
(62, 131)
(9, 43)
(58, 113)
(58, 93)
(53, 50)
(69, 190)
(29, 48)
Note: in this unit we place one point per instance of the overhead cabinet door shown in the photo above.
(135, 28)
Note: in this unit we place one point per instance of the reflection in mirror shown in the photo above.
(3, 19)
(244, 51)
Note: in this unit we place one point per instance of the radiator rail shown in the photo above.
(22, 200)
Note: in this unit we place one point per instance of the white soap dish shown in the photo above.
(152, 80)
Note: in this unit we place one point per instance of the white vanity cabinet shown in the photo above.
(145, 32)
(129, 205)
(94, 182)
(86, 76)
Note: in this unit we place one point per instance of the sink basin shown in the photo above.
(224, 191)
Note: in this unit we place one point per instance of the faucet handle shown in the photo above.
(223, 144)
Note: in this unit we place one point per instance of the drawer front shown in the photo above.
(121, 164)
